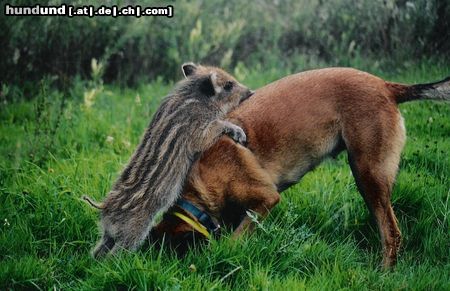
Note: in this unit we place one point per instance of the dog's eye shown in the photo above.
(228, 86)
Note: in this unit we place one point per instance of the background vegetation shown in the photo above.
(290, 34)
(76, 95)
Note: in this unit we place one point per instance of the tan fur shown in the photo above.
(292, 125)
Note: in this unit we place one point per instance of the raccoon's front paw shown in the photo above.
(237, 134)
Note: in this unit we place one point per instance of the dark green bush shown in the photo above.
(223, 32)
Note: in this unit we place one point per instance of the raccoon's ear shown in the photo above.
(188, 69)
(216, 86)
(207, 87)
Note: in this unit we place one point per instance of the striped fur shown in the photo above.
(188, 121)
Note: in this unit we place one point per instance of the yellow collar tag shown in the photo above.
(195, 225)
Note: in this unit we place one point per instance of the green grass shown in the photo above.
(320, 237)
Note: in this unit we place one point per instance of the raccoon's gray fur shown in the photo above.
(189, 120)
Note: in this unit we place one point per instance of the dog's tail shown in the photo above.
(439, 91)
(92, 203)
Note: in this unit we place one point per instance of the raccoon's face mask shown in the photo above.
(218, 85)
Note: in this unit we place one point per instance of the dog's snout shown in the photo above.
(250, 93)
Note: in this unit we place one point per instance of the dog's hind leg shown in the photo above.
(374, 155)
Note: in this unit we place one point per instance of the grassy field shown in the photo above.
(320, 237)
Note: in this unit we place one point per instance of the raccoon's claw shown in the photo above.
(238, 135)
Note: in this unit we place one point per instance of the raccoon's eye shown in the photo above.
(228, 86)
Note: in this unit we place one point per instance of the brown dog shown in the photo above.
(292, 125)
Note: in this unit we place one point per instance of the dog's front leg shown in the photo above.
(260, 202)
(246, 225)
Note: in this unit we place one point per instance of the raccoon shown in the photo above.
(189, 120)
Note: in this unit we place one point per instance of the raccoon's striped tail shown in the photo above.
(439, 91)
(92, 203)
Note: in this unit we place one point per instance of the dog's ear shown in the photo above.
(188, 69)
